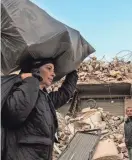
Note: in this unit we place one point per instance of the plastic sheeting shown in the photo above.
(28, 31)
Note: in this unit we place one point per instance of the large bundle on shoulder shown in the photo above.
(28, 31)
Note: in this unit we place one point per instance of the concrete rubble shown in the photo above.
(112, 132)
(106, 150)
(94, 71)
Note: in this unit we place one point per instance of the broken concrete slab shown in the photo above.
(106, 149)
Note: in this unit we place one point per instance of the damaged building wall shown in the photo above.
(114, 106)
(110, 97)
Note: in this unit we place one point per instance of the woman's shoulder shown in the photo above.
(18, 82)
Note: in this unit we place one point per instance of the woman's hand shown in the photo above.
(25, 75)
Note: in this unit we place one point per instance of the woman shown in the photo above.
(29, 112)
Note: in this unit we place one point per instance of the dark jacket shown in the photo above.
(128, 132)
(29, 114)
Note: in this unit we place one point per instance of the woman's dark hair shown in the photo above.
(30, 64)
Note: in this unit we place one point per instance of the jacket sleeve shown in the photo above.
(20, 103)
(65, 92)
(125, 134)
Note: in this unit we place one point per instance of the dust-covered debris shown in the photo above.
(111, 129)
(94, 71)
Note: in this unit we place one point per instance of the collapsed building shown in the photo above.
(104, 91)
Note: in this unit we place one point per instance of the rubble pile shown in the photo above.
(94, 71)
(112, 128)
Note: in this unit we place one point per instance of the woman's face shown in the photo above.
(47, 73)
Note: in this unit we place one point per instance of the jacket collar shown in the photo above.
(129, 119)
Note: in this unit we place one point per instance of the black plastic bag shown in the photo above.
(28, 31)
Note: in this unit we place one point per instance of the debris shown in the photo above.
(106, 149)
(122, 147)
(88, 119)
(94, 71)
(81, 147)
(118, 137)
(56, 148)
